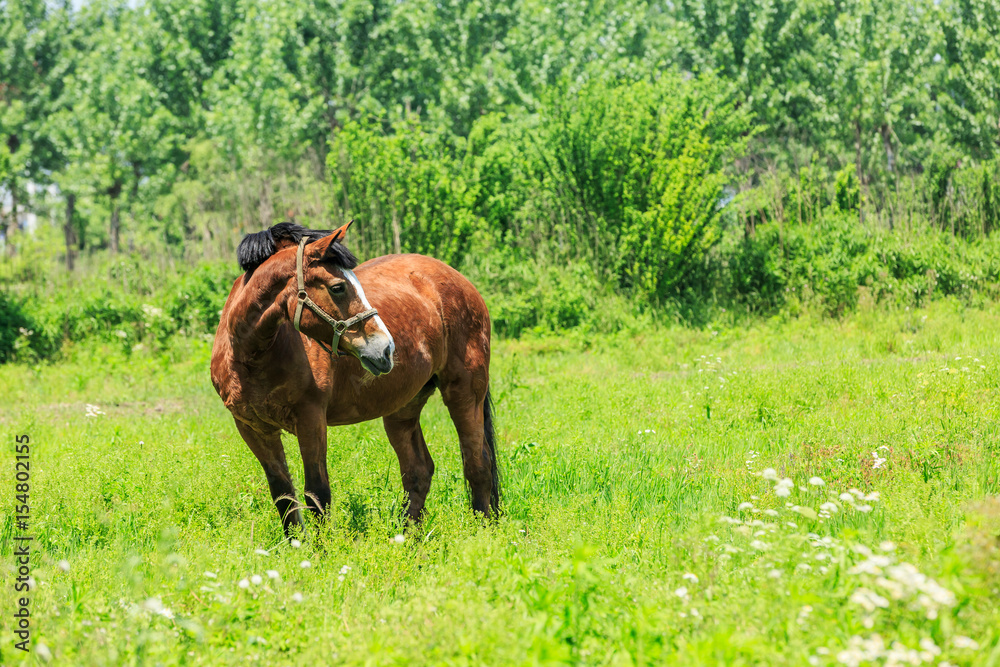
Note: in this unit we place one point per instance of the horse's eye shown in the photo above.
(339, 288)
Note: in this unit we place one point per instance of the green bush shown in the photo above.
(124, 306)
(14, 324)
(624, 175)
(405, 186)
(197, 298)
(640, 166)
(832, 263)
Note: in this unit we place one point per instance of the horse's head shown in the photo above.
(331, 285)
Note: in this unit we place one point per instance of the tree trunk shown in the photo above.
(69, 231)
(115, 192)
(396, 247)
(133, 196)
(12, 224)
(115, 225)
(887, 143)
(857, 166)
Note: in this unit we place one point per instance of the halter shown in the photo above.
(339, 326)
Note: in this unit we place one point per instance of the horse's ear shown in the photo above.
(333, 239)
(340, 232)
(323, 248)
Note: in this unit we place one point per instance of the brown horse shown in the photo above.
(417, 324)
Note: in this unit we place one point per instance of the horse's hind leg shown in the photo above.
(271, 454)
(466, 396)
(415, 463)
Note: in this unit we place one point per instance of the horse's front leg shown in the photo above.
(269, 451)
(311, 432)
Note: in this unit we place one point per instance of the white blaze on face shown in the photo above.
(353, 279)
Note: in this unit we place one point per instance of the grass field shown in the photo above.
(795, 492)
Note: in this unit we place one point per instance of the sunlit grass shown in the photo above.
(783, 493)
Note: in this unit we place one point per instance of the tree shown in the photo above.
(113, 124)
(23, 62)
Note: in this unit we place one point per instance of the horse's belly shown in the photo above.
(373, 402)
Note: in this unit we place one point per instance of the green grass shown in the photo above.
(621, 455)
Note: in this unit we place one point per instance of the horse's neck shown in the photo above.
(258, 313)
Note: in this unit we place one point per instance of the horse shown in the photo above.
(308, 339)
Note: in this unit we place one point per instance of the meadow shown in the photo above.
(790, 491)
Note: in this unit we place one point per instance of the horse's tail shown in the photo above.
(490, 443)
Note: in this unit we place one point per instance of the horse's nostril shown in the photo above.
(387, 355)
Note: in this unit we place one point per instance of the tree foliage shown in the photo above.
(620, 134)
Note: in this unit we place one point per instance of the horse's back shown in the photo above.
(431, 305)
(420, 276)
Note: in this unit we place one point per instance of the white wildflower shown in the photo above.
(305, 564)
(244, 583)
(63, 565)
(872, 565)
(928, 645)
(816, 481)
(155, 605)
(870, 600)
(693, 578)
(256, 580)
(681, 592)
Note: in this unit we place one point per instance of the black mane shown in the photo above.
(255, 248)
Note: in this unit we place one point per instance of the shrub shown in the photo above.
(626, 176)
(13, 323)
(826, 264)
(640, 165)
(197, 298)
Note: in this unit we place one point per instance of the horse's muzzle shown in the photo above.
(378, 365)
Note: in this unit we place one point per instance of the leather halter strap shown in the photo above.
(339, 326)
